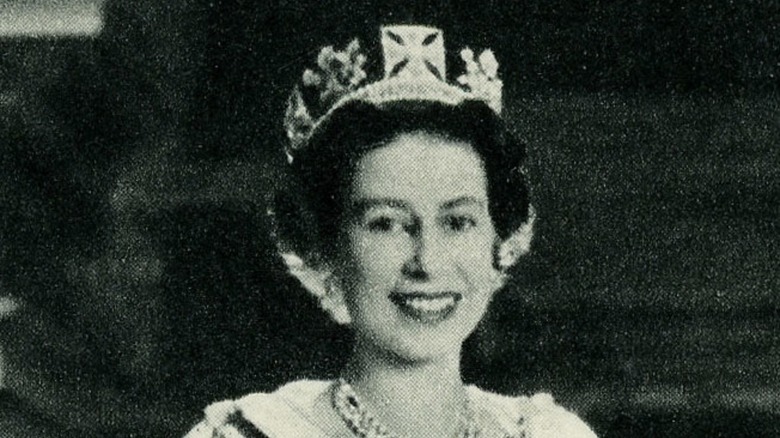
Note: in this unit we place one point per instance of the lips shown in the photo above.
(426, 307)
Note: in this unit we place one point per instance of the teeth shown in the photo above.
(430, 304)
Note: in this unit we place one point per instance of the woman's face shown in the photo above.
(417, 264)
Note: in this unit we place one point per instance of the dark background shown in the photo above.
(649, 304)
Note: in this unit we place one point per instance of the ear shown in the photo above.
(517, 244)
(322, 284)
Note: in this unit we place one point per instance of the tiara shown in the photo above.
(414, 70)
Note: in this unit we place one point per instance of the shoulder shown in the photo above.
(537, 416)
(276, 414)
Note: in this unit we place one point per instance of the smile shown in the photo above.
(425, 307)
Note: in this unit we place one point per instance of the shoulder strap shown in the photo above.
(245, 427)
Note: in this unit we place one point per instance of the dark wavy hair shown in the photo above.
(309, 209)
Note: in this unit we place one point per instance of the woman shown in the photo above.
(411, 208)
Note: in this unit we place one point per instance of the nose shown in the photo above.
(429, 256)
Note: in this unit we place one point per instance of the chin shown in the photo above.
(417, 357)
(424, 348)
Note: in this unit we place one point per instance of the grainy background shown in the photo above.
(135, 164)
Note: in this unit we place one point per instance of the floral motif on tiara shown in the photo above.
(339, 72)
(481, 77)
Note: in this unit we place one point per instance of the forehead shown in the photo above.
(420, 167)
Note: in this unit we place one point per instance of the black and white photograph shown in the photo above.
(387, 219)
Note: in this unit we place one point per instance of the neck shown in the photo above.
(411, 398)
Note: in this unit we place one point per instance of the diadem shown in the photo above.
(414, 70)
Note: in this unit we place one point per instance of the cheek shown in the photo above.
(477, 270)
(475, 255)
(474, 259)
(377, 261)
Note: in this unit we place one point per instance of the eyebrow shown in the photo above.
(463, 200)
(361, 205)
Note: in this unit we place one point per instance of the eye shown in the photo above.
(382, 224)
(387, 224)
(384, 220)
(459, 223)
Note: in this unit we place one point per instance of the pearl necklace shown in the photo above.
(364, 425)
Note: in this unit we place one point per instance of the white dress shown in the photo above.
(289, 412)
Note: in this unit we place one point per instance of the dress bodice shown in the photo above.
(290, 412)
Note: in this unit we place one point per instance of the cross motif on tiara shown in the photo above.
(412, 52)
